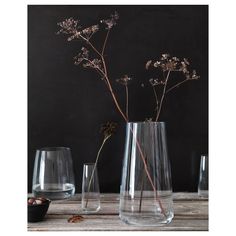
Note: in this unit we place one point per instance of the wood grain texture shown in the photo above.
(191, 214)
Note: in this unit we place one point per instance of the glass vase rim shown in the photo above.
(204, 155)
(53, 149)
(89, 164)
(146, 122)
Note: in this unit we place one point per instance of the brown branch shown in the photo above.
(105, 42)
(156, 98)
(91, 45)
(127, 101)
(111, 90)
(106, 77)
(95, 67)
(175, 86)
(148, 175)
(125, 118)
(142, 185)
(95, 165)
(163, 95)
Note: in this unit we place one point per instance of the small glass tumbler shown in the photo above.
(53, 175)
(90, 189)
(203, 177)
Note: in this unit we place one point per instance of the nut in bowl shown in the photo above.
(37, 208)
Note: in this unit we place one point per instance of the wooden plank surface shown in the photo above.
(191, 213)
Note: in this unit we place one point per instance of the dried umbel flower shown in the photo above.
(94, 64)
(108, 129)
(168, 63)
(83, 55)
(88, 32)
(155, 82)
(124, 80)
(148, 120)
(71, 27)
(148, 64)
(111, 21)
(68, 26)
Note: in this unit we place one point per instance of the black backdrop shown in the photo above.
(67, 104)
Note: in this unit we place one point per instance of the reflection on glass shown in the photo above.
(53, 175)
(203, 177)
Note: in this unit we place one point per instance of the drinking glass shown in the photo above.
(203, 177)
(90, 189)
(53, 175)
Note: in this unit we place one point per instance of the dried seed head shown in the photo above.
(88, 32)
(124, 80)
(168, 63)
(68, 26)
(155, 82)
(94, 64)
(108, 129)
(165, 56)
(111, 21)
(148, 64)
(83, 55)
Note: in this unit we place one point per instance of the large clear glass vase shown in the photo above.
(146, 189)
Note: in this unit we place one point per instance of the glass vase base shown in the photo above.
(146, 220)
(90, 210)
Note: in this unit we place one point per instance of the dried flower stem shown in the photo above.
(169, 64)
(69, 26)
(105, 42)
(175, 86)
(155, 94)
(95, 165)
(148, 174)
(127, 101)
(142, 183)
(163, 95)
(125, 118)
(105, 72)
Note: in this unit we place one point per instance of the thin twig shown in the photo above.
(105, 42)
(90, 44)
(148, 175)
(163, 95)
(127, 101)
(142, 183)
(156, 98)
(168, 90)
(95, 165)
(106, 76)
(112, 92)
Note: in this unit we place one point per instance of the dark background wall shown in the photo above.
(67, 104)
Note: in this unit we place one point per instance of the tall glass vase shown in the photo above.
(146, 189)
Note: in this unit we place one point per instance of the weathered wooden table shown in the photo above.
(191, 213)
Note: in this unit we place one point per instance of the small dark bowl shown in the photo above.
(38, 211)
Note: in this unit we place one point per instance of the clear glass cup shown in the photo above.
(53, 175)
(90, 189)
(203, 177)
(146, 188)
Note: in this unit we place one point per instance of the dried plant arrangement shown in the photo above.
(94, 58)
(107, 130)
(75, 31)
(166, 65)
